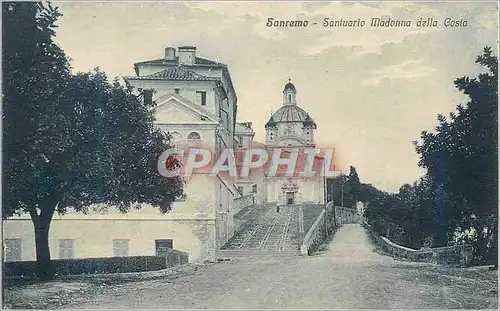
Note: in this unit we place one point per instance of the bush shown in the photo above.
(96, 265)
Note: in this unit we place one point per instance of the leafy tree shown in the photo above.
(461, 156)
(350, 189)
(368, 193)
(338, 191)
(83, 140)
(354, 184)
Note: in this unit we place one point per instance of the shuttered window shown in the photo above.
(120, 247)
(66, 248)
(13, 249)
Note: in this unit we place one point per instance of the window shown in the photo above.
(202, 97)
(162, 246)
(120, 247)
(148, 97)
(177, 91)
(13, 249)
(194, 136)
(66, 248)
(290, 98)
(254, 188)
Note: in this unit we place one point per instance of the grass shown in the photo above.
(311, 212)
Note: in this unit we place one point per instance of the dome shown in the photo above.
(290, 113)
(289, 87)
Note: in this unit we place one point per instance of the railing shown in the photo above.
(321, 227)
(457, 255)
(242, 202)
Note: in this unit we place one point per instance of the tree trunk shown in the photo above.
(44, 266)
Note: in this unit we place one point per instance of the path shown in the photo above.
(348, 275)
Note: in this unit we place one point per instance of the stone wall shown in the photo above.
(344, 215)
(457, 255)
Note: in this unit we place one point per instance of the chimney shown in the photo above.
(170, 53)
(187, 55)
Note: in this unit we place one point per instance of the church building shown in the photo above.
(290, 129)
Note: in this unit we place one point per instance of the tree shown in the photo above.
(338, 191)
(354, 184)
(84, 140)
(461, 156)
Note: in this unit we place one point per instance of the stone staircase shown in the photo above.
(255, 253)
(268, 234)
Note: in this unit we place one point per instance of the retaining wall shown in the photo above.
(344, 215)
(457, 255)
(107, 265)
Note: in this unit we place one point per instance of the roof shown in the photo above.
(290, 86)
(162, 61)
(197, 62)
(290, 113)
(176, 73)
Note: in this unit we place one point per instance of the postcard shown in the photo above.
(250, 155)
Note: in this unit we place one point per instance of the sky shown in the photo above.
(371, 91)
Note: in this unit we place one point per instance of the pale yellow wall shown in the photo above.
(94, 237)
(225, 213)
(93, 233)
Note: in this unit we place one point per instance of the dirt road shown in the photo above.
(348, 275)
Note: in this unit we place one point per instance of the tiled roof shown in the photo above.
(290, 113)
(162, 61)
(177, 73)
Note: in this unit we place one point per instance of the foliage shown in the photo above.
(456, 201)
(344, 190)
(353, 184)
(461, 156)
(83, 141)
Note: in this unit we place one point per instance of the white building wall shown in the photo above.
(187, 90)
(191, 225)
(93, 238)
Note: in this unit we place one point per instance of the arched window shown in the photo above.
(290, 97)
(194, 136)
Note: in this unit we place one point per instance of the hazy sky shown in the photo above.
(370, 90)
